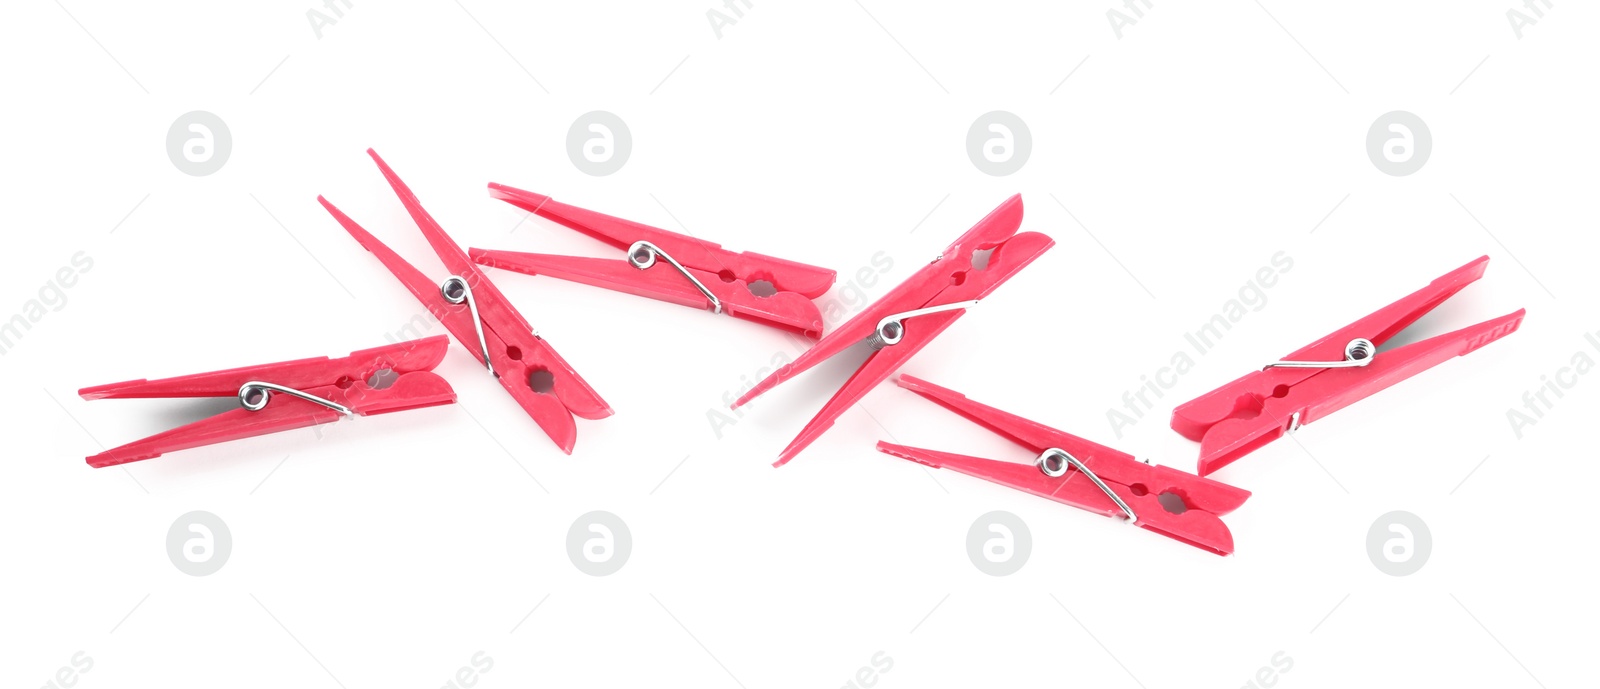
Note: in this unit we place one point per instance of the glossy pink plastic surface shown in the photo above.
(347, 381)
(517, 353)
(1142, 486)
(950, 278)
(727, 274)
(1235, 419)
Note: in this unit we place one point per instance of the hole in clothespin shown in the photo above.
(763, 288)
(344, 382)
(1248, 406)
(542, 381)
(514, 353)
(1280, 391)
(727, 275)
(1172, 502)
(382, 379)
(980, 258)
(1139, 489)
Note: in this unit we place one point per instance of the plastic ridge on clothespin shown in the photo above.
(1331, 373)
(485, 322)
(1086, 475)
(692, 272)
(288, 395)
(907, 318)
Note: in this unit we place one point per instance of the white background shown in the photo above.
(387, 551)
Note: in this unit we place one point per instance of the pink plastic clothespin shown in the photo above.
(1086, 475)
(907, 318)
(1331, 373)
(288, 395)
(485, 322)
(701, 275)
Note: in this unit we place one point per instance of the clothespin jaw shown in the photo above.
(694, 273)
(484, 321)
(908, 318)
(1086, 475)
(283, 396)
(1331, 373)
